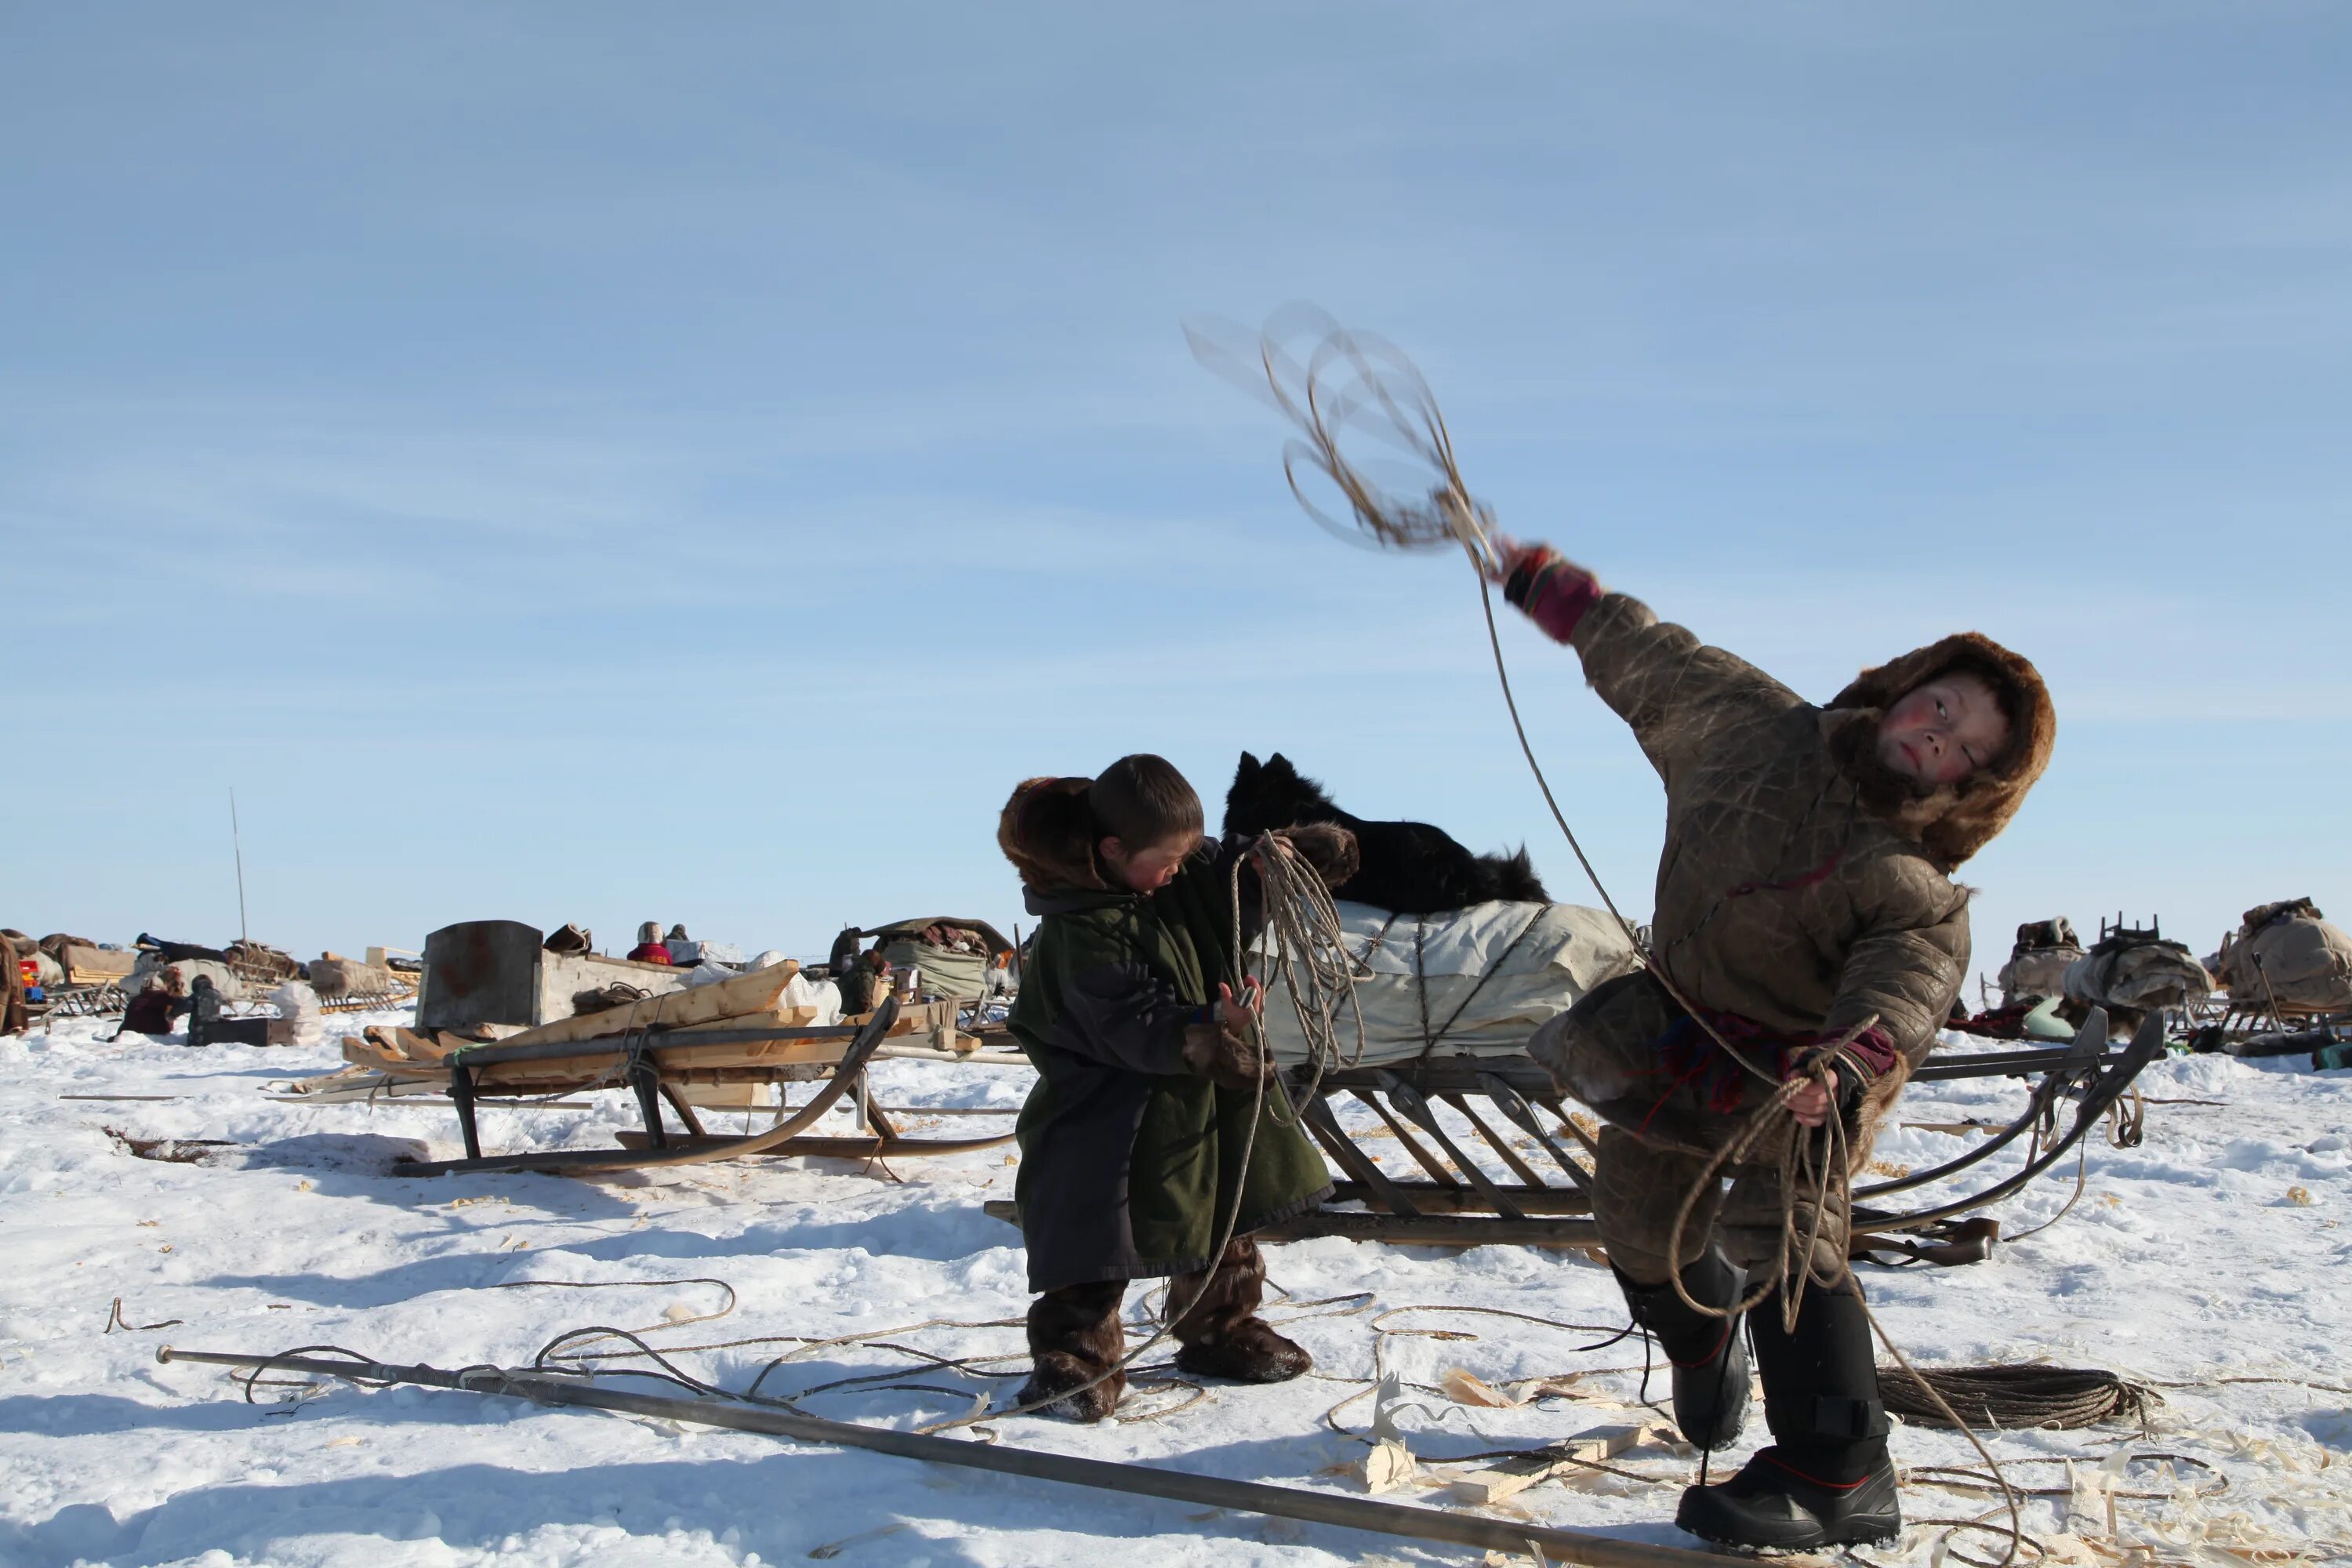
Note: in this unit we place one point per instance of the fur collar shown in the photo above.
(1952, 821)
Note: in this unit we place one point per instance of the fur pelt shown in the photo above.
(1224, 1054)
(1407, 867)
(1952, 821)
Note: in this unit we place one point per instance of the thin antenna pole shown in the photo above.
(236, 843)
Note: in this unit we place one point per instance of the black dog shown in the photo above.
(1409, 868)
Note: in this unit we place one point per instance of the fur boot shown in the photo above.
(1074, 1336)
(1221, 1333)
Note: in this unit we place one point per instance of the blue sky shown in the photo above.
(606, 463)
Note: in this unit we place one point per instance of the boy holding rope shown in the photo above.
(1148, 1131)
(1808, 943)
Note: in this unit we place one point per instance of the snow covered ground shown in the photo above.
(2214, 1250)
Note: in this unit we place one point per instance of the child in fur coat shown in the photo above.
(1131, 1009)
(1804, 895)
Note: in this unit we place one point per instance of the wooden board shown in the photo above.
(1508, 1477)
(740, 997)
(1420, 1230)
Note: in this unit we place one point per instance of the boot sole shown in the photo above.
(1878, 1531)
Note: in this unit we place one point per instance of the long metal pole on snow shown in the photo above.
(1144, 1480)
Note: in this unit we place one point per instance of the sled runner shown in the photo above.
(659, 1065)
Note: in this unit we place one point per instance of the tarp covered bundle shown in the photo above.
(2132, 972)
(2291, 952)
(952, 956)
(179, 974)
(1476, 981)
(2037, 965)
(335, 978)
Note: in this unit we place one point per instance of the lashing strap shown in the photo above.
(1801, 1416)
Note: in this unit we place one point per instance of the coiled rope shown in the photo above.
(2015, 1398)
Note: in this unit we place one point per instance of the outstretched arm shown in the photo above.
(1677, 692)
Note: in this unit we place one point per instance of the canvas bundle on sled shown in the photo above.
(2304, 960)
(1475, 981)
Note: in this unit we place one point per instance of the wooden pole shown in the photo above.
(236, 844)
(1139, 1480)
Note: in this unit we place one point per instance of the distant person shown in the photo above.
(150, 1013)
(174, 952)
(15, 1015)
(650, 948)
(209, 1026)
(867, 982)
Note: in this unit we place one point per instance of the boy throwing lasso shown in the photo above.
(1804, 899)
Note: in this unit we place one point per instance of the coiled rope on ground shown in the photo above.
(2015, 1398)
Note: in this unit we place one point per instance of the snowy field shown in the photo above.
(2214, 1250)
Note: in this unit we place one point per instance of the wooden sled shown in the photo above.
(657, 1065)
(1539, 1195)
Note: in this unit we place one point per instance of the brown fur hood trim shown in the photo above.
(1952, 821)
(1047, 831)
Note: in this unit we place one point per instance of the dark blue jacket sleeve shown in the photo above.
(1124, 1015)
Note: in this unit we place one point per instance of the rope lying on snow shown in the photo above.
(2014, 1398)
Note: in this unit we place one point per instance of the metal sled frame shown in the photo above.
(657, 1066)
(1464, 1203)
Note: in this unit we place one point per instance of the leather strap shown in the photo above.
(1796, 1416)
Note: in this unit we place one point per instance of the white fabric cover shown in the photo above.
(1537, 960)
(824, 995)
(298, 1005)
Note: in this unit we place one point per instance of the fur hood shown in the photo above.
(1952, 821)
(1047, 831)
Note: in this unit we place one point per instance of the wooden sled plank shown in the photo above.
(1515, 1475)
(1396, 1230)
(1428, 1198)
(857, 1147)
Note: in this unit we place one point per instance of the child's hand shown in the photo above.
(1811, 1103)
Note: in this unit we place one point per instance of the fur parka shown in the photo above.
(1131, 1159)
(1803, 887)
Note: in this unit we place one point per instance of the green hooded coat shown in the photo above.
(1131, 1163)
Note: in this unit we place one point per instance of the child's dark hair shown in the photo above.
(1142, 800)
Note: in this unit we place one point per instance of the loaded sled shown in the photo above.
(765, 1027)
(1449, 1001)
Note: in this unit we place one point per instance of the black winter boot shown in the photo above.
(1710, 1359)
(1826, 1480)
(1074, 1336)
(1221, 1333)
